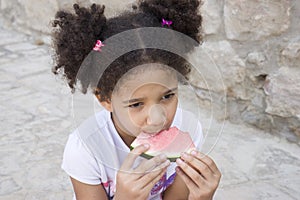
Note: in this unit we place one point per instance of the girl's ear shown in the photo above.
(106, 104)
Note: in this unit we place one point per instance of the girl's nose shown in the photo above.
(156, 116)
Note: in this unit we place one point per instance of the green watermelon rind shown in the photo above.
(148, 156)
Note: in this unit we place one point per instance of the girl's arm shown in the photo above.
(176, 191)
(88, 192)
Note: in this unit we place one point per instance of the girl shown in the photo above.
(139, 93)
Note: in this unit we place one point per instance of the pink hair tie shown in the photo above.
(165, 22)
(98, 46)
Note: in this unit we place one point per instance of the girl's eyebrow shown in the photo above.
(133, 100)
(141, 99)
(171, 90)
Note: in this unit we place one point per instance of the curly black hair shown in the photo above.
(75, 35)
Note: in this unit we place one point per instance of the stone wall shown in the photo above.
(254, 43)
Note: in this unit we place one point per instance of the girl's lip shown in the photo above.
(153, 133)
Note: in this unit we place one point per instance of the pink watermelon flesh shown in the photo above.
(169, 142)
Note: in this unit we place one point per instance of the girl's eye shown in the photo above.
(135, 105)
(168, 96)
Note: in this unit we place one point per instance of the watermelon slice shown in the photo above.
(170, 142)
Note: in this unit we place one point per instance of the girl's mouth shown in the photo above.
(153, 133)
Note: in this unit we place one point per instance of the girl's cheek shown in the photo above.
(136, 118)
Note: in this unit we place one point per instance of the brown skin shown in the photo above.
(197, 178)
(200, 174)
(70, 51)
(137, 183)
(125, 179)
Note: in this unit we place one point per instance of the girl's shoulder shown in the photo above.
(89, 129)
(92, 132)
(98, 122)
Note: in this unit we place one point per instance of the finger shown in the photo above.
(129, 160)
(198, 165)
(153, 177)
(207, 160)
(148, 177)
(192, 173)
(149, 165)
(186, 179)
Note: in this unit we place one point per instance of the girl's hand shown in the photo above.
(137, 183)
(200, 174)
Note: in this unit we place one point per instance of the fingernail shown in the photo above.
(179, 161)
(185, 155)
(194, 153)
(146, 146)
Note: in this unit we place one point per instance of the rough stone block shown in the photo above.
(211, 12)
(283, 92)
(256, 19)
(290, 55)
(218, 63)
(256, 58)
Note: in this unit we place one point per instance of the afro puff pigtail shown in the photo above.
(74, 36)
(183, 13)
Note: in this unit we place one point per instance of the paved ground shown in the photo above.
(36, 118)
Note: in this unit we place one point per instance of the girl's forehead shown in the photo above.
(146, 75)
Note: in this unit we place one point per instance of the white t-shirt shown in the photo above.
(94, 152)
